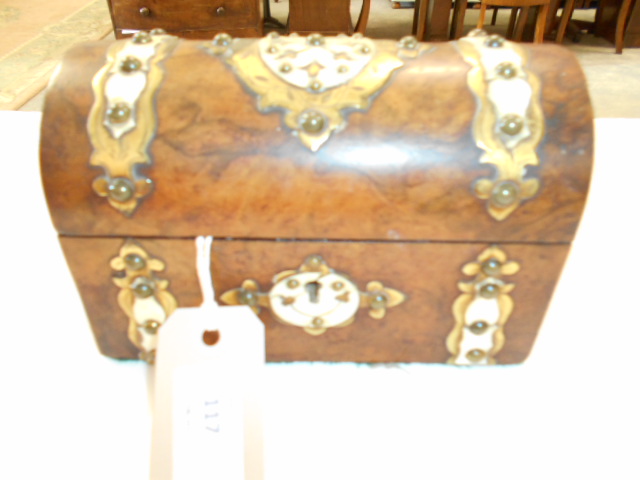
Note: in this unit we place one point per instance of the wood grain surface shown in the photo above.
(404, 170)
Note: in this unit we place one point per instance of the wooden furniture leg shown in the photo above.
(363, 19)
(421, 19)
(541, 23)
(564, 20)
(457, 21)
(621, 23)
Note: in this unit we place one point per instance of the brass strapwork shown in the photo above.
(315, 297)
(509, 123)
(122, 121)
(143, 296)
(315, 80)
(482, 309)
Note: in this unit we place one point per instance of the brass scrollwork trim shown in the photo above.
(315, 297)
(143, 296)
(482, 310)
(316, 80)
(122, 121)
(509, 122)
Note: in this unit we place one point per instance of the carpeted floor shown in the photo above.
(35, 34)
(34, 38)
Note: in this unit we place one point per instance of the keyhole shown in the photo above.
(313, 288)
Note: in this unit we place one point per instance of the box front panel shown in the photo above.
(420, 328)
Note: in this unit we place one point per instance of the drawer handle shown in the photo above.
(220, 11)
(145, 12)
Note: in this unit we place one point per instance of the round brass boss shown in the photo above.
(247, 297)
(476, 355)
(490, 290)
(479, 327)
(143, 288)
(121, 189)
(134, 261)
(130, 64)
(511, 124)
(119, 113)
(491, 267)
(505, 194)
(312, 122)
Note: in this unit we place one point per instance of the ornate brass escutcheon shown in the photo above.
(315, 297)
(482, 309)
(143, 296)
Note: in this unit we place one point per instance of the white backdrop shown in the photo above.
(571, 411)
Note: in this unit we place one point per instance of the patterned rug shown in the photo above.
(25, 70)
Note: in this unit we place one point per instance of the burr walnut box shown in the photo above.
(372, 201)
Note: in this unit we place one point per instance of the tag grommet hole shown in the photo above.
(211, 337)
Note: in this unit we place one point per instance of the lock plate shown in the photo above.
(315, 297)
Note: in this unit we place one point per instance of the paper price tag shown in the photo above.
(207, 404)
(207, 416)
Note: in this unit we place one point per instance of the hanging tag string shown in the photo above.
(203, 268)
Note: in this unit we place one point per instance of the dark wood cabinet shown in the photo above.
(188, 19)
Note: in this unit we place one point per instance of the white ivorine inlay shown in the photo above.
(121, 87)
(296, 305)
(511, 96)
(145, 309)
(480, 309)
(486, 309)
(508, 96)
(470, 341)
(337, 61)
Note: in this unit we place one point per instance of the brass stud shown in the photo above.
(151, 326)
(494, 41)
(315, 86)
(476, 355)
(317, 322)
(248, 297)
(222, 40)
(337, 286)
(141, 37)
(272, 50)
(489, 290)
(315, 40)
(378, 301)
(293, 283)
(511, 124)
(130, 64)
(491, 267)
(409, 42)
(343, 69)
(143, 288)
(121, 189)
(133, 261)
(505, 194)
(357, 35)
(312, 122)
(479, 327)
(158, 31)
(144, 11)
(314, 261)
(273, 35)
(119, 113)
(286, 68)
(220, 11)
(506, 70)
(365, 50)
